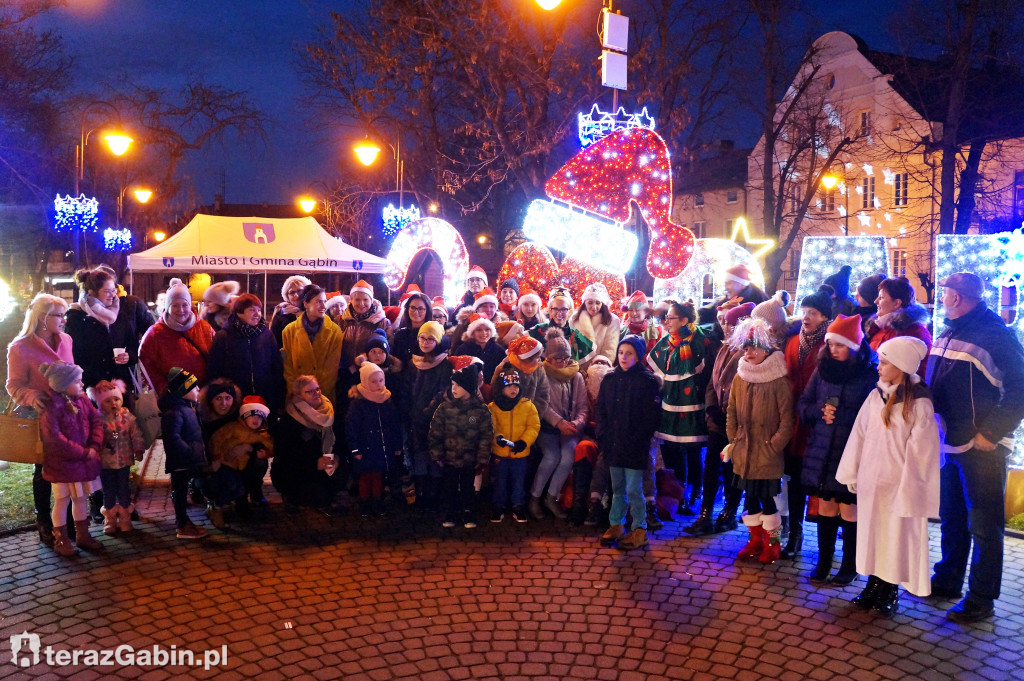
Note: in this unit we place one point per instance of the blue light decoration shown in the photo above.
(822, 256)
(117, 239)
(999, 260)
(597, 124)
(394, 219)
(79, 213)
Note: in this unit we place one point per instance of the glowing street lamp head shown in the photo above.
(829, 181)
(143, 195)
(433, 207)
(549, 4)
(307, 204)
(367, 152)
(159, 236)
(118, 143)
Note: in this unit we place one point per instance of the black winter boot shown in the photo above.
(653, 521)
(828, 526)
(796, 539)
(726, 520)
(848, 569)
(867, 597)
(702, 525)
(887, 603)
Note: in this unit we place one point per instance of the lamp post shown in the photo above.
(829, 181)
(366, 151)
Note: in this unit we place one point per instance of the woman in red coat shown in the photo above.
(899, 314)
(179, 339)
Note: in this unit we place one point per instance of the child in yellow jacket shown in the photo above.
(516, 425)
(240, 451)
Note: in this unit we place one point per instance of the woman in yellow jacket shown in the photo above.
(312, 343)
(516, 425)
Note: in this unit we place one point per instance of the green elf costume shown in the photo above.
(678, 360)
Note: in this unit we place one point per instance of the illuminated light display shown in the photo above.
(628, 167)
(533, 265)
(999, 260)
(604, 245)
(703, 280)
(7, 304)
(80, 213)
(822, 256)
(741, 230)
(577, 275)
(394, 220)
(117, 239)
(597, 124)
(436, 235)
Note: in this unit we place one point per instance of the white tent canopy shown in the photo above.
(212, 243)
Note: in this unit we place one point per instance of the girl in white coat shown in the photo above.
(595, 321)
(891, 462)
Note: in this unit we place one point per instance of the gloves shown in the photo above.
(518, 446)
(852, 487)
(502, 442)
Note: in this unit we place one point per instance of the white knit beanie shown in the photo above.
(904, 352)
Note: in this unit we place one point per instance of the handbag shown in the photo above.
(20, 437)
(147, 412)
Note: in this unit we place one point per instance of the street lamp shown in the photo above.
(142, 195)
(307, 204)
(829, 181)
(118, 142)
(549, 4)
(367, 152)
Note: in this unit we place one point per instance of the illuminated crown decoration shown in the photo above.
(394, 219)
(597, 124)
(79, 213)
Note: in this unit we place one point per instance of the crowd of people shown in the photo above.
(624, 414)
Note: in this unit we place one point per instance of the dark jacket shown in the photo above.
(93, 348)
(850, 383)
(405, 343)
(280, 320)
(133, 320)
(253, 362)
(461, 432)
(294, 469)
(976, 375)
(373, 432)
(627, 412)
(490, 354)
(183, 437)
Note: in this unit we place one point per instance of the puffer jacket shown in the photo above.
(461, 432)
(850, 382)
(534, 386)
(518, 423)
(760, 418)
(183, 438)
(357, 332)
(236, 434)
(913, 321)
(163, 348)
(69, 429)
(976, 375)
(567, 399)
(373, 432)
(491, 354)
(626, 414)
(251, 360)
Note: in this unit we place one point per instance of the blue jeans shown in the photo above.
(972, 506)
(559, 453)
(628, 483)
(508, 473)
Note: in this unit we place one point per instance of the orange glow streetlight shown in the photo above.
(367, 152)
(549, 4)
(307, 204)
(142, 195)
(159, 236)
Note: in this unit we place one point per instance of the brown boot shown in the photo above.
(124, 518)
(612, 535)
(61, 544)
(556, 509)
(634, 539)
(84, 539)
(110, 516)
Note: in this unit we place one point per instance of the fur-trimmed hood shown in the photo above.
(903, 319)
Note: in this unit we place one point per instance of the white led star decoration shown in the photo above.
(597, 124)
(81, 213)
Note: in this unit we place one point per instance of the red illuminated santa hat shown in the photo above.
(477, 272)
(437, 305)
(846, 331)
(361, 286)
(527, 294)
(739, 273)
(413, 288)
(253, 404)
(636, 301)
(485, 296)
(478, 320)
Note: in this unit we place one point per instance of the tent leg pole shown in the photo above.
(264, 291)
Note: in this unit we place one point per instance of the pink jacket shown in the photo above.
(24, 355)
(68, 434)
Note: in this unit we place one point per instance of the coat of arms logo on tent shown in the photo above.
(168, 262)
(258, 232)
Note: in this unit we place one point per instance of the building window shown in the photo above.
(698, 200)
(828, 200)
(728, 226)
(865, 124)
(899, 190)
(699, 229)
(899, 262)
(868, 193)
(732, 196)
(1018, 198)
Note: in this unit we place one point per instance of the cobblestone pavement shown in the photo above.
(326, 598)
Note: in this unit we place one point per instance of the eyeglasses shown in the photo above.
(313, 391)
(558, 309)
(60, 316)
(417, 308)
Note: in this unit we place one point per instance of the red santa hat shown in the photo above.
(413, 288)
(528, 294)
(738, 273)
(521, 349)
(846, 330)
(485, 296)
(477, 272)
(437, 305)
(361, 286)
(509, 331)
(253, 404)
(636, 301)
(478, 320)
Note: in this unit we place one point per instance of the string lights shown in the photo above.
(627, 167)
(597, 124)
(596, 242)
(822, 256)
(394, 220)
(433, 234)
(703, 280)
(79, 213)
(117, 239)
(534, 265)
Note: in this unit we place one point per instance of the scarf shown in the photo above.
(521, 364)
(562, 375)
(97, 310)
(773, 367)
(680, 344)
(312, 328)
(374, 315)
(245, 330)
(375, 396)
(841, 373)
(884, 321)
(507, 309)
(174, 325)
(506, 403)
(809, 340)
(320, 419)
(638, 329)
(422, 363)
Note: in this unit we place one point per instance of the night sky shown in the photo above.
(251, 45)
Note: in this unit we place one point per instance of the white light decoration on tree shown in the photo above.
(7, 304)
(822, 256)
(605, 245)
(597, 124)
(117, 239)
(394, 220)
(999, 260)
(81, 213)
(703, 280)
(433, 234)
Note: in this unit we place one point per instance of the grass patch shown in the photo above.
(1016, 522)
(16, 508)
